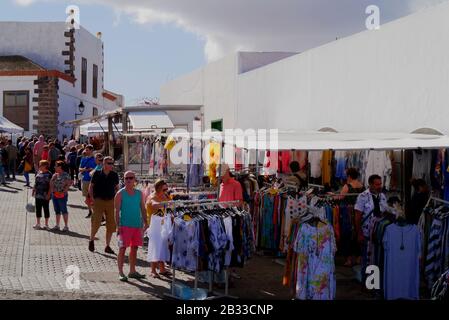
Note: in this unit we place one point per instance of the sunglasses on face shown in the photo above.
(110, 163)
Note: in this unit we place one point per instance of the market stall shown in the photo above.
(280, 212)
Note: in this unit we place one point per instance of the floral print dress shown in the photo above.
(315, 247)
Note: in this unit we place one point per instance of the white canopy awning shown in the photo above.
(149, 120)
(9, 127)
(317, 141)
(99, 127)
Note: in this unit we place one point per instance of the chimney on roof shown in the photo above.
(99, 34)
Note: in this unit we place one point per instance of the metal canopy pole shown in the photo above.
(125, 142)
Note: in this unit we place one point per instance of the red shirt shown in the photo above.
(231, 191)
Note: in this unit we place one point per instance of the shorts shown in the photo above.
(130, 237)
(106, 208)
(85, 188)
(60, 205)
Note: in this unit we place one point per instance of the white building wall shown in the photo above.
(394, 79)
(43, 43)
(213, 86)
(185, 90)
(20, 84)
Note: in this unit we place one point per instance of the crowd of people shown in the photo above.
(122, 209)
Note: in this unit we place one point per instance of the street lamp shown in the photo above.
(81, 109)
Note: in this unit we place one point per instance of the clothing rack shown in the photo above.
(316, 186)
(435, 199)
(172, 290)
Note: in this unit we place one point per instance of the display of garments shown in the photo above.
(314, 158)
(379, 163)
(271, 163)
(340, 158)
(402, 247)
(326, 167)
(219, 241)
(301, 158)
(158, 234)
(284, 159)
(185, 244)
(432, 266)
(195, 168)
(315, 248)
(422, 162)
(228, 228)
(293, 209)
(214, 159)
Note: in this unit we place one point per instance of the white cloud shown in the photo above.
(260, 25)
(24, 3)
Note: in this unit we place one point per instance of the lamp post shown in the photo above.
(81, 109)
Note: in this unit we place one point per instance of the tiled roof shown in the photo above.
(18, 63)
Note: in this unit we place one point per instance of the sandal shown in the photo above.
(123, 278)
(136, 275)
(155, 276)
(166, 274)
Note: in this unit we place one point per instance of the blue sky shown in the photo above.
(149, 42)
(139, 58)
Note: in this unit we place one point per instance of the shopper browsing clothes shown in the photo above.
(153, 204)
(42, 194)
(370, 204)
(59, 185)
(102, 190)
(349, 244)
(131, 219)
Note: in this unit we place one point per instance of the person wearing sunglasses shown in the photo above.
(59, 188)
(131, 219)
(102, 189)
(153, 204)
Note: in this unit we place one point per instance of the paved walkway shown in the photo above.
(33, 262)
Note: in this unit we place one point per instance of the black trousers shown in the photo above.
(42, 204)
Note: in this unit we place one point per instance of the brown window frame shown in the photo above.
(27, 92)
(84, 75)
(95, 81)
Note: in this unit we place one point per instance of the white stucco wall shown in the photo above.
(20, 84)
(394, 79)
(43, 43)
(213, 86)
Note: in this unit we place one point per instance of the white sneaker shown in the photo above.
(37, 227)
(66, 229)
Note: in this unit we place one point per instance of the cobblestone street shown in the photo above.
(33, 262)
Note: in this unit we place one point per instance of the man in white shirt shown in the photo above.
(370, 204)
